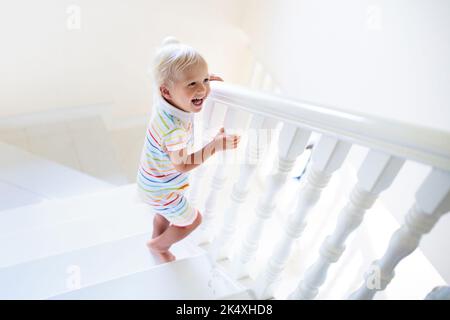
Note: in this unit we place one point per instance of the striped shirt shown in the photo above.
(159, 183)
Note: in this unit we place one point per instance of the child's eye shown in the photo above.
(206, 80)
(192, 84)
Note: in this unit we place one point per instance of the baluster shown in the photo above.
(254, 151)
(198, 174)
(374, 176)
(292, 142)
(432, 201)
(206, 229)
(196, 178)
(327, 157)
(220, 174)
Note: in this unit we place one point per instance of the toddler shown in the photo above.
(182, 79)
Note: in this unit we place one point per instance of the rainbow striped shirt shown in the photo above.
(159, 183)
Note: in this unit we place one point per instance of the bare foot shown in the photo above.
(161, 256)
(164, 256)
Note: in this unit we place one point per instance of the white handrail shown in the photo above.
(425, 145)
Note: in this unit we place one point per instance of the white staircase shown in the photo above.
(100, 241)
(92, 245)
(65, 234)
(71, 224)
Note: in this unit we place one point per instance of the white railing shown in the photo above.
(391, 143)
(425, 145)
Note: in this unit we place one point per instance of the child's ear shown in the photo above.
(165, 92)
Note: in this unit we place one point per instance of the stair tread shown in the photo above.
(192, 278)
(42, 278)
(41, 177)
(66, 209)
(78, 232)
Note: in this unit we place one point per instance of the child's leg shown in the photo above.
(173, 234)
(160, 224)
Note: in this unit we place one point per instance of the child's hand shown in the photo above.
(223, 141)
(213, 77)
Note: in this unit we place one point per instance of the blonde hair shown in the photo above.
(171, 59)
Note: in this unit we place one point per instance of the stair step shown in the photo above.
(106, 202)
(46, 277)
(191, 278)
(41, 178)
(34, 243)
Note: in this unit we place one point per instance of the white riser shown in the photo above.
(35, 243)
(43, 278)
(107, 203)
(193, 278)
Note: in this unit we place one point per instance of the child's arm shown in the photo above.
(184, 162)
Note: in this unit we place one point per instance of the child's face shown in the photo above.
(189, 91)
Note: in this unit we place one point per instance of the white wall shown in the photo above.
(46, 65)
(388, 58)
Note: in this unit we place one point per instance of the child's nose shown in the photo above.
(201, 88)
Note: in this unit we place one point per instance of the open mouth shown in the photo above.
(197, 102)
